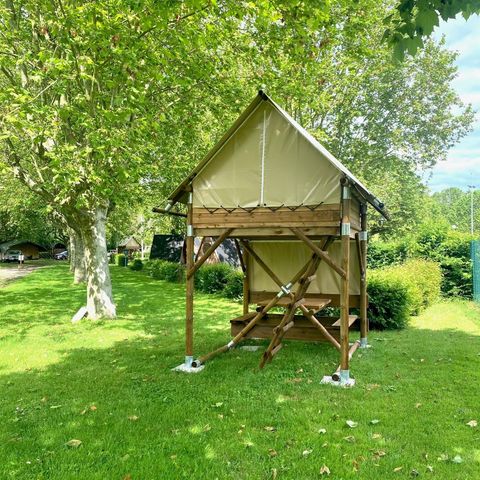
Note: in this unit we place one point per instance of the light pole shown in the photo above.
(472, 188)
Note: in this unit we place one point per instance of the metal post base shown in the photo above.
(364, 343)
(344, 382)
(187, 367)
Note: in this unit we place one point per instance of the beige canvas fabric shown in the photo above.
(267, 161)
(286, 258)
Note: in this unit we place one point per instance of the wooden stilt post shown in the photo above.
(246, 283)
(344, 292)
(190, 285)
(363, 277)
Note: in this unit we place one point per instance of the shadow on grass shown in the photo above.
(136, 417)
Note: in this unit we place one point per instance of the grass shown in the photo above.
(109, 384)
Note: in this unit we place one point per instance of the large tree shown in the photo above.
(94, 94)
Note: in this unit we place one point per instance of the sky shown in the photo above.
(462, 167)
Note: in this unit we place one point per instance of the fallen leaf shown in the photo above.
(93, 408)
(443, 457)
(418, 405)
(248, 444)
(73, 443)
(274, 473)
(306, 453)
(322, 431)
(272, 452)
(414, 473)
(351, 423)
(295, 380)
(127, 477)
(54, 407)
(375, 421)
(430, 468)
(457, 459)
(472, 423)
(207, 428)
(397, 469)
(217, 405)
(270, 429)
(376, 436)
(324, 470)
(350, 439)
(300, 370)
(379, 454)
(133, 418)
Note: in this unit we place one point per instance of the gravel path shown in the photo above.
(9, 274)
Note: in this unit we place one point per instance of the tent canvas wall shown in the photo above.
(298, 218)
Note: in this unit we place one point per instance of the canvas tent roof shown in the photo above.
(254, 162)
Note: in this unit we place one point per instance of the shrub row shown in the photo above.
(451, 250)
(394, 293)
(397, 292)
(211, 278)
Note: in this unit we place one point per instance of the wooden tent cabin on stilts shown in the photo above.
(299, 220)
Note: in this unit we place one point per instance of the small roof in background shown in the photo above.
(245, 139)
(129, 242)
(5, 246)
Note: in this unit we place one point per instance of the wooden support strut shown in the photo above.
(363, 276)
(287, 318)
(345, 284)
(210, 250)
(189, 285)
(257, 317)
(322, 254)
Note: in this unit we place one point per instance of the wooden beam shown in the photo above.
(345, 281)
(320, 327)
(211, 249)
(169, 212)
(322, 254)
(363, 275)
(240, 255)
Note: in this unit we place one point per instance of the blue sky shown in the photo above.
(462, 167)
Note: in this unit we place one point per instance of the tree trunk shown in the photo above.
(71, 250)
(99, 286)
(79, 267)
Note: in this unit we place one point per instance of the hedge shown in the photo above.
(212, 278)
(451, 250)
(395, 293)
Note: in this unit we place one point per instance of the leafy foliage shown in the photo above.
(414, 20)
(136, 265)
(397, 292)
(212, 278)
(234, 286)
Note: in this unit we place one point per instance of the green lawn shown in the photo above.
(109, 384)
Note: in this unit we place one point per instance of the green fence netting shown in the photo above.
(475, 250)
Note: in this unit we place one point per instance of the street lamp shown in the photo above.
(472, 188)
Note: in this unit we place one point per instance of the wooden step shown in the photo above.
(301, 330)
(312, 303)
(351, 319)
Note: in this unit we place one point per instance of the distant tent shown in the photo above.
(172, 248)
(167, 247)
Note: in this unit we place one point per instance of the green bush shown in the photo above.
(121, 260)
(164, 270)
(212, 278)
(388, 301)
(136, 265)
(397, 292)
(234, 287)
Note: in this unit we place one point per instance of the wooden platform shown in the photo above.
(302, 330)
(313, 303)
